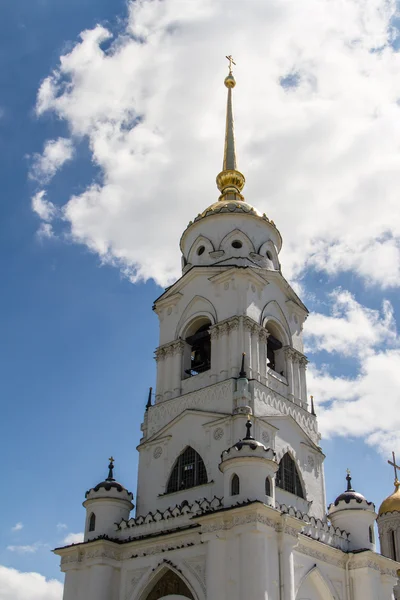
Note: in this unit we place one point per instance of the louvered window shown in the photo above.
(189, 471)
(287, 477)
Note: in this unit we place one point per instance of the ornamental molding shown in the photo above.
(133, 578)
(224, 524)
(317, 554)
(210, 397)
(197, 566)
(170, 349)
(92, 553)
(154, 549)
(295, 356)
(224, 327)
(278, 405)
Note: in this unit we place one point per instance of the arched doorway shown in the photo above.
(171, 587)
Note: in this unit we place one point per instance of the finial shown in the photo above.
(230, 182)
(110, 470)
(395, 467)
(348, 479)
(148, 405)
(312, 405)
(243, 374)
(249, 425)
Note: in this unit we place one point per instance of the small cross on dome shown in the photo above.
(111, 469)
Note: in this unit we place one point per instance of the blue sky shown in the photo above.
(77, 327)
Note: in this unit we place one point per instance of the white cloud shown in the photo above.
(55, 154)
(61, 526)
(73, 538)
(27, 549)
(17, 527)
(364, 406)
(321, 158)
(42, 207)
(15, 585)
(45, 231)
(352, 329)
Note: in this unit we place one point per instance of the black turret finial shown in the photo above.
(243, 374)
(312, 405)
(148, 405)
(249, 425)
(111, 470)
(348, 479)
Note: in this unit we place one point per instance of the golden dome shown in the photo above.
(392, 502)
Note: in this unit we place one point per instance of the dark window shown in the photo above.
(237, 244)
(235, 486)
(92, 522)
(200, 250)
(272, 346)
(393, 544)
(200, 353)
(371, 534)
(287, 477)
(269, 255)
(169, 584)
(189, 471)
(267, 486)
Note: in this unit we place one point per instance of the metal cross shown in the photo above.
(394, 465)
(231, 62)
(111, 459)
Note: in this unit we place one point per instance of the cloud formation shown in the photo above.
(73, 538)
(55, 154)
(17, 527)
(25, 549)
(318, 124)
(15, 585)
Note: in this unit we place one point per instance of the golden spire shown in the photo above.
(230, 182)
(392, 502)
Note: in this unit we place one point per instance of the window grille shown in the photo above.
(235, 486)
(287, 477)
(189, 471)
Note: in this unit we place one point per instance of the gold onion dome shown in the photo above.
(392, 502)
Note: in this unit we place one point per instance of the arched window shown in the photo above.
(267, 486)
(371, 534)
(199, 356)
(92, 522)
(169, 584)
(235, 486)
(275, 353)
(189, 471)
(393, 545)
(287, 477)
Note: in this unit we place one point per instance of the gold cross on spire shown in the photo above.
(231, 62)
(111, 459)
(395, 467)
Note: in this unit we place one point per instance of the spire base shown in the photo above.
(230, 182)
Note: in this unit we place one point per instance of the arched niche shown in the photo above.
(199, 252)
(236, 243)
(268, 252)
(198, 309)
(314, 587)
(167, 584)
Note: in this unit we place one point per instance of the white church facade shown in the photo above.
(230, 499)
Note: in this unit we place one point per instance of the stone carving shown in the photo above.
(265, 437)
(310, 461)
(157, 452)
(338, 562)
(226, 524)
(210, 397)
(218, 433)
(198, 567)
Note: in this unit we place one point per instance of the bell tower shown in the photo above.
(232, 300)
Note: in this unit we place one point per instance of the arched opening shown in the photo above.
(198, 352)
(92, 522)
(235, 486)
(275, 353)
(170, 584)
(288, 478)
(267, 486)
(393, 548)
(371, 534)
(188, 471)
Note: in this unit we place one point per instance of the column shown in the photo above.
(235, 353)
(168, 372)
(216, 569)
(160, 359)
(224, 350)
(303, 384)
(177, 353)
(289, 370)
(247, 329)
(296, 377)
(253, 565)
(287, 567)
(101, 582)
(254, 353)
(215, 354)
(262, 350)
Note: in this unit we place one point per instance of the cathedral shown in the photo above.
(230, 500)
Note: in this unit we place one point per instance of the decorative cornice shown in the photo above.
(170, 349)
